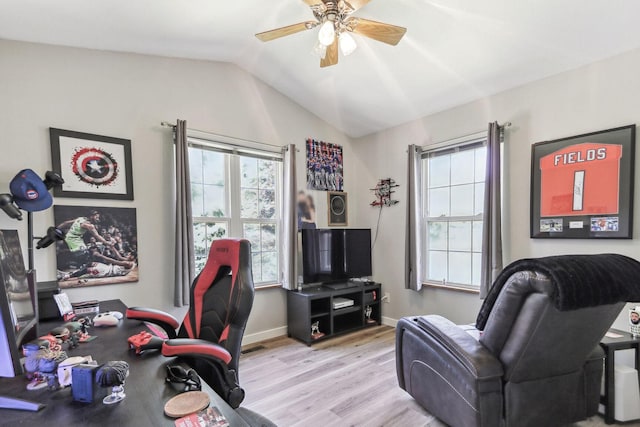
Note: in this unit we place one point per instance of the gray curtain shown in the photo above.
(289, 220)
(413, 238)
(184, 255)
(491, 227)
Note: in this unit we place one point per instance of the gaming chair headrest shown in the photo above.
(230, 252)
(224, 255)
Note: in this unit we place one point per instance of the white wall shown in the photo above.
(596, 97)
(127, 96)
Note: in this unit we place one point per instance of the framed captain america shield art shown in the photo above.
(92, 166)
(582, 186)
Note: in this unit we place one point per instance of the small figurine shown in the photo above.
(315, 330)
(367, 313)
(75, 330)
(634, 321)
(31, 367)
(62, 334)
(49, 342)
(85, 323)
(43, 366)
(113, 374)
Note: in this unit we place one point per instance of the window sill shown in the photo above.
(267, 286)
(451, 288)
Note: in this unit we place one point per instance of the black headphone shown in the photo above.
(178, 374)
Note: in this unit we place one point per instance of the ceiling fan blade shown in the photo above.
(312, 2)
(380, 31)
(355, 4)
(286, 31)
(331, 58)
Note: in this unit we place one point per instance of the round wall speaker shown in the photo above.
(337, 203)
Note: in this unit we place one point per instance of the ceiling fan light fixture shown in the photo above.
(327, 33)
(320, 50)
(335, 23)
(347, 44)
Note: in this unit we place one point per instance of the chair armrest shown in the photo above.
(189, 347)
(466, 349)
(448, 372)
(158, 317)
(223, 380)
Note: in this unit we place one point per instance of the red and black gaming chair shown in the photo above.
(211, 333)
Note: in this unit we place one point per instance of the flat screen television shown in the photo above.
(335, 254)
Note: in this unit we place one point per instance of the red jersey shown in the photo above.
(581, 179)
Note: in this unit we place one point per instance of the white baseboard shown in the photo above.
(389, 321)
(264, 335)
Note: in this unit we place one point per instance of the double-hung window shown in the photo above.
(237, 193)
(453, 207)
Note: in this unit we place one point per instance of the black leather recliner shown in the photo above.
(534, 359)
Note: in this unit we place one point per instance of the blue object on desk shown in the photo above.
(83, 384)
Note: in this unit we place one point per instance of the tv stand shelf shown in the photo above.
(346, 310)
(315, 304)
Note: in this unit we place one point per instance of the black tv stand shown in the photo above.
(341, 285)
(306, 307)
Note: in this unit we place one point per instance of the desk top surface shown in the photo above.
(145, 387)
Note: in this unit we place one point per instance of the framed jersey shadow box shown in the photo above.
(582, 186)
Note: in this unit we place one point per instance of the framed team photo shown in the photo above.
(582, 186)
(92, 166)
(324, 166)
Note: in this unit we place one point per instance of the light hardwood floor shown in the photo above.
(344, 381)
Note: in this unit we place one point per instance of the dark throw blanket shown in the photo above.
(580, 281)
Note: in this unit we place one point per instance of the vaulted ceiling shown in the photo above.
(454, 51)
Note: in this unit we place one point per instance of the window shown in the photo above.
(453, 206)
(237, 194)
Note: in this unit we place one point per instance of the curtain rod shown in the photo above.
(471, 135)
(502, 127)
(462, 138)
(279, 147)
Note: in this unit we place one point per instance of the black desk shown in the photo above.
(610, 346)
(145, 387)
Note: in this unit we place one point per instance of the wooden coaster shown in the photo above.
(186, 403)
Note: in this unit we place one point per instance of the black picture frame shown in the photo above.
(92, 166)
(574, 182)
(82, 259)
(337, 209)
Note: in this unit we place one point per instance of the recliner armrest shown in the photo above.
(470, 352)
(158, 317)
(448, 372)
(188, 347)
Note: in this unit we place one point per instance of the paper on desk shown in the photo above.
(613, 335)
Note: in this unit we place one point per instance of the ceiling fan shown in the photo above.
(336, 25)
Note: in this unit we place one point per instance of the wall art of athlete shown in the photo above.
(78, 253)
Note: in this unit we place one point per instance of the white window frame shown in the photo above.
(235, 223)
(455, 145)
